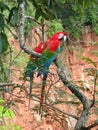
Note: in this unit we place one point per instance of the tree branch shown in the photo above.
(21, 32)
(54, 108)
(65, 113)
(64, 76)
(8, 84)
(33, 19)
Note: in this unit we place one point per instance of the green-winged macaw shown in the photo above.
(49, 50)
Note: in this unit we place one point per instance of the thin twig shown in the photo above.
(8, 84)
(55, 108)
(65, 113)
(33, 19)
(10, 64)
(16, 56)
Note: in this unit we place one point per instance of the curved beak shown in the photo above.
(65, 37)
(62, 37)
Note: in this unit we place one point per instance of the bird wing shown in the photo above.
(51, 45)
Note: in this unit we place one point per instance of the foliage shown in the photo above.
(29, 24)
(19, 58)
(3, 76)
(3, 42)
(89, 60)
(54, 26)
(73, 14)
(7, 113)
(4, 111)
(43, 9)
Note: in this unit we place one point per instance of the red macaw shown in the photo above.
(49, 50)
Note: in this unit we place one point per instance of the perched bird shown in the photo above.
(49, 50)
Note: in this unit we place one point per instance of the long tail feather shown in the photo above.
(30, 89)
(43, 94)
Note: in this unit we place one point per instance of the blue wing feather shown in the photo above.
(44, 68)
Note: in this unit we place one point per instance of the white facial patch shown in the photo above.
(60, 36)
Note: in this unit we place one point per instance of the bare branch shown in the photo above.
(21, 32)
(54, 108)
(64, 76)
(8, 84)
(65, 113)
(33, 19)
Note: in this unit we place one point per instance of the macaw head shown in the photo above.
(59, 36)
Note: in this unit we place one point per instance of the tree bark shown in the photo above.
(21, 32)
(64, 76)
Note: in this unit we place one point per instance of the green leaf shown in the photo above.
(6, 112)
(3, 43)
(38, 13)
(91, 71)
(13, 16)
(9, 113)
(2, 22)
(34, 3)
(3, 6)
(54, 26)
(86, 59)
(62, 1)
(10, 14)
(1, 100)
(20, 1)
(76, 34)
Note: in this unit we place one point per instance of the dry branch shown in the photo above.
(8, 84)
(65, 113)
(33, 19)
(87, 104)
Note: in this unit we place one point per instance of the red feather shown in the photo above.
(39, 48)
(53, 43)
